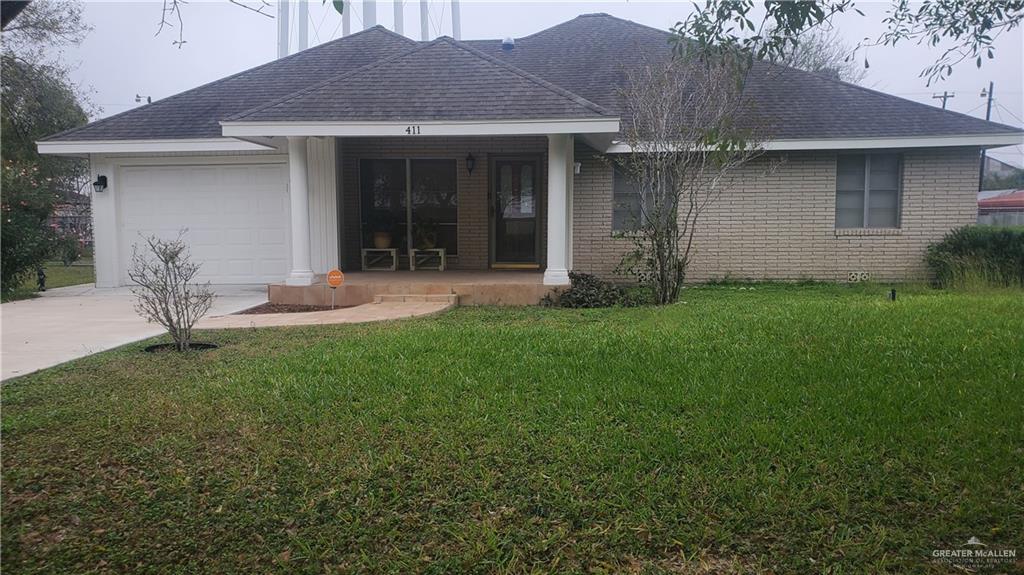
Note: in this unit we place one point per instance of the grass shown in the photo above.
(57, 275)
(748, 429)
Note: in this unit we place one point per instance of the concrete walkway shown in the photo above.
(388, 310)
(72, 322)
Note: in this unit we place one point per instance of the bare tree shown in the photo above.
(167, 293)
(170, 15)
(683, 120)
(824, 52)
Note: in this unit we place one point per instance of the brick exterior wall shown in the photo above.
(781, 225)
(473, 190)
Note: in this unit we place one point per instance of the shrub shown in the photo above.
(166, 293)
(588, 291)
(978, 256)
(69, 248)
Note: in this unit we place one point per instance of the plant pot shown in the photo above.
(169, 347)
(382, 240)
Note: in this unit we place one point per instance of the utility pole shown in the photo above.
(945, 96)
(282, 28)
(988, 118)
(302, 8)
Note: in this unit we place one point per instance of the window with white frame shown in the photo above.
(868, 190)
(625, 203)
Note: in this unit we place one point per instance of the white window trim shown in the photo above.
(865, 221)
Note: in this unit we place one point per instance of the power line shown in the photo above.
(974, 109)
(1008, 111)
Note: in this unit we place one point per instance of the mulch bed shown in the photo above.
(285, 308)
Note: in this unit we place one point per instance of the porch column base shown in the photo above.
(555, 277)
(300, 278)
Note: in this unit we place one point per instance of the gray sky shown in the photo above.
(122, 57)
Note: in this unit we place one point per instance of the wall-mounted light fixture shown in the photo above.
(470, 163)
(576, 167)
(100, 184)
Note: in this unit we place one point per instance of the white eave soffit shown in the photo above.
(431, 128)
(987, 141)
(85, 147)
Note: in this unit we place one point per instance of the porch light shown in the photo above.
(470, 163)
(100, 184)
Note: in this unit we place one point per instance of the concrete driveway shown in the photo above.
(72, 322)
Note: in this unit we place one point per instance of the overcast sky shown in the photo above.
(123, 57)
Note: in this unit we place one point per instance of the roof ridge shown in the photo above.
(575, 98)
(887, 95)
(291, 96)
(593, 15)
(533, 78)
(377, 28)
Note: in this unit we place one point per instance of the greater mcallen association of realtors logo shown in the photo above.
(974, 553)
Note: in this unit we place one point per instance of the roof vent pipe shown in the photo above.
(508, 44)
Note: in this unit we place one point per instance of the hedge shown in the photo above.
(978, 256)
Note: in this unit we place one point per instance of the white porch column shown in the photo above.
(298, 191)
(559, 171)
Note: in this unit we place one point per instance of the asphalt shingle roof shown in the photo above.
(589, 55)
(573, 70)
(197, 113)
(439, 80)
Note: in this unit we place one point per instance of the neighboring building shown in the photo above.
(496, 154)
(74, 215)
(1001, 208)
(1000, 169)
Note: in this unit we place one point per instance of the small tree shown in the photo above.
(27, 239)
(682, 122)
(166, 292)
(824, 52)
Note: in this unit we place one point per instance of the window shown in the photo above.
(382, 185)
(868, 191)
(435, 205)
(427, 186)
(625, 203)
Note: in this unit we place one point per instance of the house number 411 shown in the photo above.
(412, 130)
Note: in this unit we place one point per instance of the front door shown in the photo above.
(514, 207)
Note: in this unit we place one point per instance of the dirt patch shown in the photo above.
(285, 308)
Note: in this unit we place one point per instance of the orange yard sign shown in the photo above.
(335, 278)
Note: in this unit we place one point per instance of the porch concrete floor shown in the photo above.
(483, 287)
(453, 277)
(391, 310)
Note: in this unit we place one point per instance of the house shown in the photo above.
(495, 151)
(71, 216)
(997, 168)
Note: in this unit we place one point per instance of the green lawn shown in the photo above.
(57, 275)
(783, 429)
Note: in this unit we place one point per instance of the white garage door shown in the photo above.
(236, 217)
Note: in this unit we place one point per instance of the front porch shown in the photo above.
(497, 287)
(499, 207)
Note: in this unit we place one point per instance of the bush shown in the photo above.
(978, 256)
(166, 292)
(587, 291)
(27, 239)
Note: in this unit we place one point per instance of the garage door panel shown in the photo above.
(236, 217)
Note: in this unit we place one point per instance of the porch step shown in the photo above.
(450, 298)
